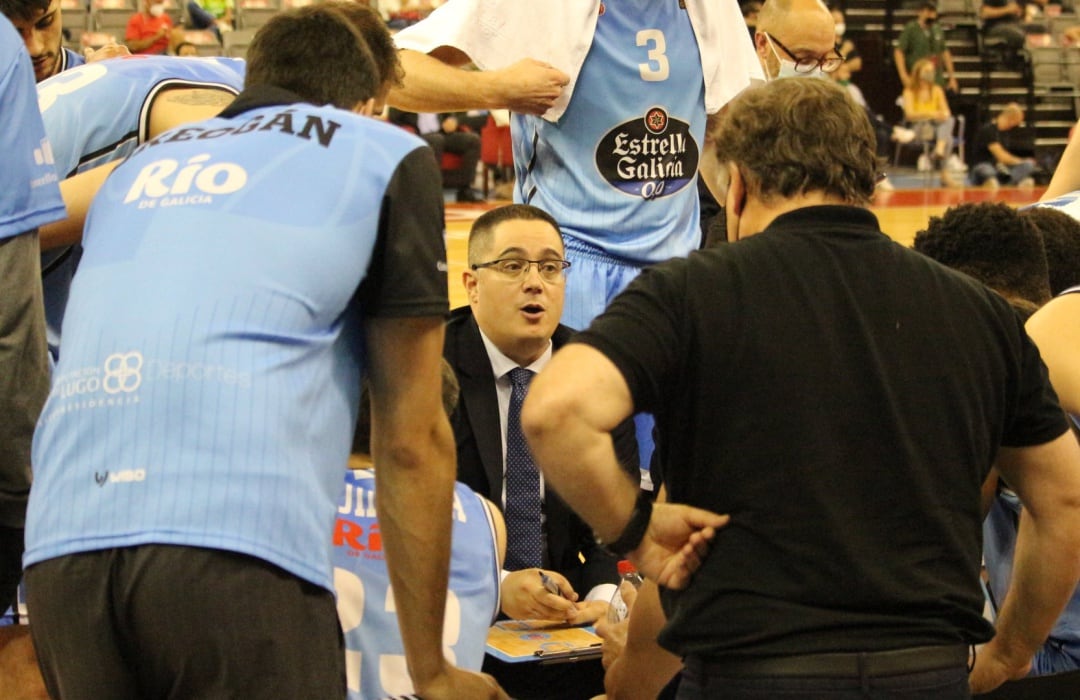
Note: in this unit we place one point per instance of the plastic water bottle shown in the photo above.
(628, 575)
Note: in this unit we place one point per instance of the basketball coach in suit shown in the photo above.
(515, 282)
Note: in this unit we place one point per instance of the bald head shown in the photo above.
(804, 27)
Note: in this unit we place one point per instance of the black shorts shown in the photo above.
(159, 621)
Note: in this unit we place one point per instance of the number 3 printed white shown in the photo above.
(657, 67)
(68, 82)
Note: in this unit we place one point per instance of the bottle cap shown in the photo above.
(626, 567)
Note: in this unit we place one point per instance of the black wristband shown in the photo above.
(635, 529)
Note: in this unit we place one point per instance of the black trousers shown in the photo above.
(159, 621)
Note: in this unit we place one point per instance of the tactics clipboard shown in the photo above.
(520, 641)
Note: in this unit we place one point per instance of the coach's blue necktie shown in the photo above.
(524, 539)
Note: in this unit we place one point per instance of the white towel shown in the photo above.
(497, 33)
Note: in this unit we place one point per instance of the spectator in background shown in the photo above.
(846, 47)
(444, 134)
(1001, 23)
(148, 30)
(996, 152)
(926, 108)
(884, 133)
(215, 15)
(921, 38)
(186, 48)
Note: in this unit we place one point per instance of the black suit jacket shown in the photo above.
(478, 435)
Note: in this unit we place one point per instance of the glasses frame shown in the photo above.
(806, 65)
(563, 266)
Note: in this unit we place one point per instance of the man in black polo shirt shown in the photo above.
(842, 398)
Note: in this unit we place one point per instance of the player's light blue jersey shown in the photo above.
(1062, 650)
(29, 196)
(70, 59)
(99, 113)
(209, 382)
(374, 655)
(618, 170)
(1068, 203)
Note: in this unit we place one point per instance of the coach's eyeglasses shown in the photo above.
(807, 64)
(517, 268)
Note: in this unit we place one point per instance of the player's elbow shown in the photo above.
(416, 450)
(548, 409)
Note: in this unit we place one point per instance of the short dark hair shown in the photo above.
(798, 135)
(749, 7)
(1061, 239)
(991, 242)
(484, 226)
(315, 53)
(361, 443)
(23, 10)
(928, 5)
(374, 31)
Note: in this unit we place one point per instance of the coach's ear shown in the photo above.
(735, 202)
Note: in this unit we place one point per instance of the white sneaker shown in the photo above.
(924, 163)
(902, 135)
(954, 163)
(1026, 183)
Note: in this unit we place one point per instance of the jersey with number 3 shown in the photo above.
(99, 112)
(617, 170)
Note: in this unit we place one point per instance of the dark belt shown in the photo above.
(848, 665)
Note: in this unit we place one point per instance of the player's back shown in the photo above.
(212, 358)
(99, 112)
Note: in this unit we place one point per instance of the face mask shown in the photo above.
(787, 68)
(840, 29)
(930, 21)
(157, 10)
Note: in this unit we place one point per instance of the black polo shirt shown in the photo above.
(842, 397)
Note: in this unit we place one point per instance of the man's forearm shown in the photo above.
(900, 61)
(1067, 175)
(140, 44)
(434, 86)
(414, 492)
(1045, 572)
(579, 462)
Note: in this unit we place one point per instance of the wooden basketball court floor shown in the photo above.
(902, 214)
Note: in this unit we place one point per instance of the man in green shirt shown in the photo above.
(923, 37)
